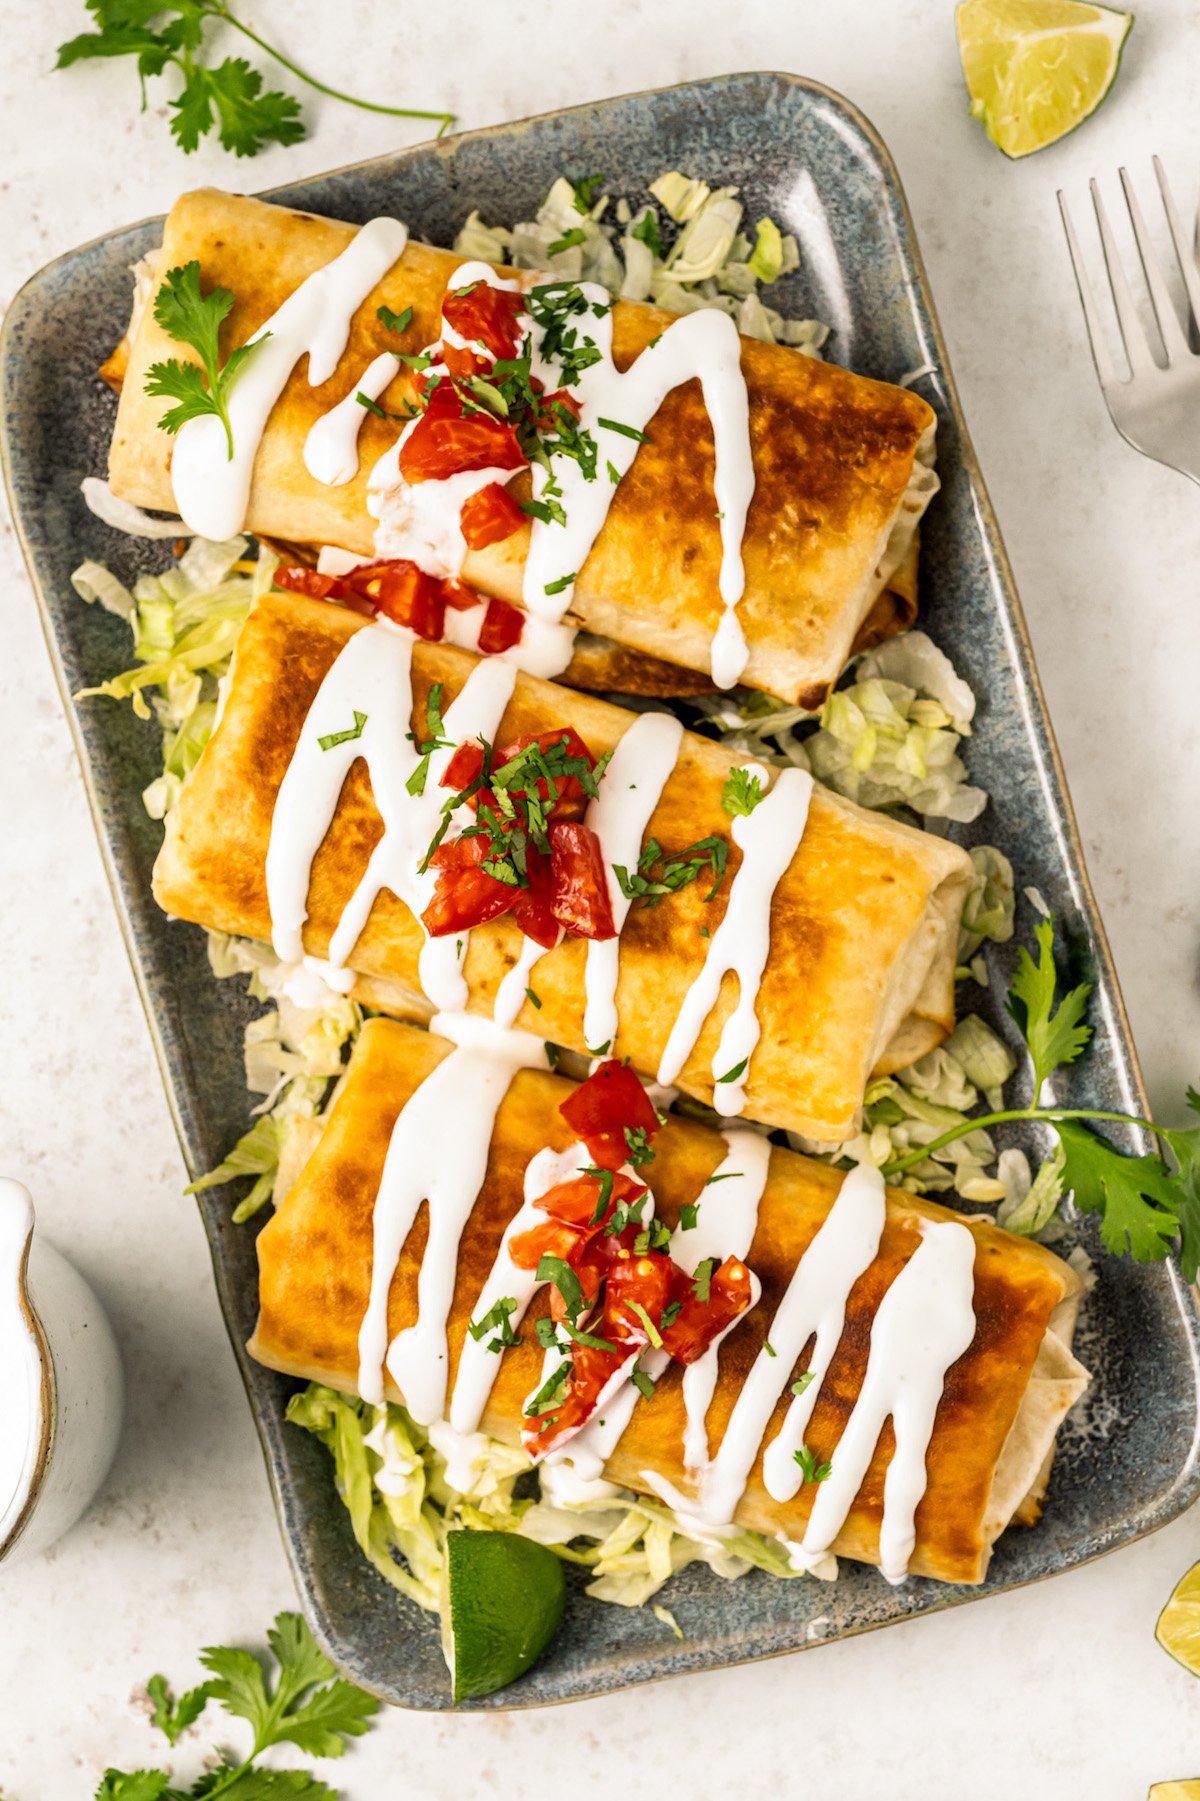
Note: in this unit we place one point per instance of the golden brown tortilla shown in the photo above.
(864, 923)
(842, 464)
(1003, 1400)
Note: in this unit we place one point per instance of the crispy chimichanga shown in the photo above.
(841, 465)
(951, 1442)
(839, 964)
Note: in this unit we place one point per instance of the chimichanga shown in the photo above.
(841, 465)
(337, 1254)
(839, 964)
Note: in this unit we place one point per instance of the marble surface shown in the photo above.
(1055, 1691)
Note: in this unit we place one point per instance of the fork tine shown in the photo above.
(1132, 336)
(1183, 250)
(1167, 319)
(1105, 368)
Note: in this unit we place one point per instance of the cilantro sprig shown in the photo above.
(226, 96)
(308, 1705)
(1147, 1205)
(191, 317)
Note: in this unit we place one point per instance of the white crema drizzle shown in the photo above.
(768, 839)
(211, 487)
(438, 1153)
(477, 1365)
(727, 1216)
(703, 345)
(372, 676)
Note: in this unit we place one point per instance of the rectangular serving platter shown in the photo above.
(803, 154)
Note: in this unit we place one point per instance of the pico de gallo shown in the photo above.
(525, 850)
(615, 1289)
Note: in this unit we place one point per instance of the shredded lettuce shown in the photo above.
(392, 1480)
(185, 623)
(696, 257)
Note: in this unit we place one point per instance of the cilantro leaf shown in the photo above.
(742, 792)
(1135, 1196)
(228, 96)
(174, 1717)
(1055, 1036)
(317, 1719)
(810, 1469)
(133, 1785)
(193, 318)
(1185, 1148)
(256, 1784)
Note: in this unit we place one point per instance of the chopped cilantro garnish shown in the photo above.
(689, 1215)
(732, 1075)
(568, 241)
(769, 1348)
(394, 321)
(560, 585)
(661, 872)
(727, 1175)
(434, 739)
(645, 230)
(585, 192)
(638, 1146)
(535, 1000)
(605, 1178)
(702, 1280)
(352, 731)
(497, 1319)
(626, 431)
(803, 1382)
(554, 1269)
(642, 1382)
(811, 1470)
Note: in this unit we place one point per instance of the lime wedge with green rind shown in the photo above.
(1176, 1791)
(1035, 69)
(503, 1601)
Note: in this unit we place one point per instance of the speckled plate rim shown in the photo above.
(612, 1675)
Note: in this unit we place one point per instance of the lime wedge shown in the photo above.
(503, 1602)
(1176, 1791)
(1035, 69)
(1178, 1629)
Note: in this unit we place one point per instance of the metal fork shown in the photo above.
(1156, 408)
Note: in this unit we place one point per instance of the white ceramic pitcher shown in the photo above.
(61, 1383)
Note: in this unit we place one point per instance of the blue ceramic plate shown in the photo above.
(809, 159)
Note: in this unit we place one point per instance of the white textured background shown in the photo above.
(1056, 1692)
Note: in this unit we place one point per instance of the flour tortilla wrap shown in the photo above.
(843, 465)
(864, 921)
(1001, 1406)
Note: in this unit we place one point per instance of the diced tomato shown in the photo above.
(490, 516)
(462, 362)
(462, 769)
(412, 598)
(465, 895)
(483, 313)
(698, 1323)
(439, 446)
(570, 801)
(458, 597)
(298, 580)
(574, 1202)
(591, 1369)
(646, 1280)
(581, 899)
(533, 909)
(611, 1099)
(501, 629)
(554, 1239)
(547, 420)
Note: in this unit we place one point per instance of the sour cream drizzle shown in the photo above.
(372, 676)
(728, 1213)
(768, 839)
(212, 488)
(703, 345)
(924, 1323)
(438, 1153)
(814, 1302)
(331, 447)
(629, 792)
(477, 1366)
